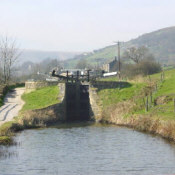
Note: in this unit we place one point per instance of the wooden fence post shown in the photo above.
(151, 98)
(146, 106)
(156, 87)
(149, 78)
(161, 77)
(143, 101)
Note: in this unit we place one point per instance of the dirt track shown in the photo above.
(12, 105)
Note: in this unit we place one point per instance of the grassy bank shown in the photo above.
(127, 106)
(113, 96)
(41, 98)
(30, 116)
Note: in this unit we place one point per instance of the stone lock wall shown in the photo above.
(61, 95)
(31, 85)
(95, 104)
(108, 84)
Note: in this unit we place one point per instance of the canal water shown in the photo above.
(83, 149)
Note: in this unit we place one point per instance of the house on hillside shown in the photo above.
(111, 66)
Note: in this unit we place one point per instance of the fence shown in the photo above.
(150, 102)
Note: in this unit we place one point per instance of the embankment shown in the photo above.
(128, 106)
(147, 123)
(42, 108)
(10, 109)
(111, 102)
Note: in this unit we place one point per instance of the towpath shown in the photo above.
(12, 105)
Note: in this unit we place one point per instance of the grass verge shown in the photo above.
(41, 98)
(113, 96)
(5, 140)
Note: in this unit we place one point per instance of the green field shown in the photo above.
(113, 96)
(165, 93)
(41, 98)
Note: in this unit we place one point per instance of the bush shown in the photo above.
(144, 67)
(147, 67)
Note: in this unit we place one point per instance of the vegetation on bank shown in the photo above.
(163, 104)
(113, 96)
(41, 98)
(7, 131)
(140, 87)
(5, 140)
(147, 105)
(124, 106)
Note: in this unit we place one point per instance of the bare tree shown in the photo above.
(8, 57)
(137, 54)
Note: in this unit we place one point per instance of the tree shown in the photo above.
(82, 64)
(145, 63)
(8, 56)
(138, 54)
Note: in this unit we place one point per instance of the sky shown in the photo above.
(81, 25)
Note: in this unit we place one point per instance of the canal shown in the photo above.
(84, 149)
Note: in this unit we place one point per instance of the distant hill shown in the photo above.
(38, 56)
(161, 43)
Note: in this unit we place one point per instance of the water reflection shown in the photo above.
(87, 149)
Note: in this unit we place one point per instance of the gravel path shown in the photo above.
(12, 105)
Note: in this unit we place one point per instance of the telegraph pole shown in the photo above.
(119, 60)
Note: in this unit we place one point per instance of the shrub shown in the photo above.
(144, 67)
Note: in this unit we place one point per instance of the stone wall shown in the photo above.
(61, 95)
(94, 100)
(47, 115)
(108, 84)
(95, 104)
(43, 117)
(29, 86)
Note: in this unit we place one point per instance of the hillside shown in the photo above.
(161, 43)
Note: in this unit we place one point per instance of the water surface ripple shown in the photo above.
(87, 150)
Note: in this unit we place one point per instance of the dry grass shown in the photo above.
(147, 123)
(42, 117)
(5, 140)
